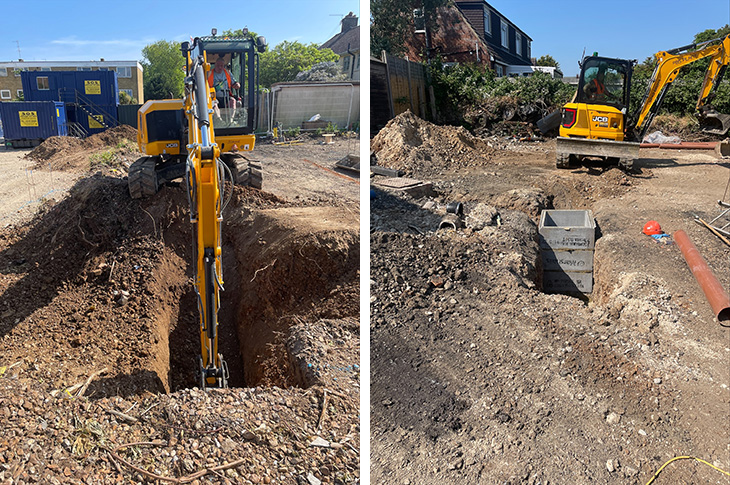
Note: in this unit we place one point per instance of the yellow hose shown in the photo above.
(684, 458)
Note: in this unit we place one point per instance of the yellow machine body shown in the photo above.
(594, 121)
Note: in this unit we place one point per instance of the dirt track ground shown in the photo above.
(479, 377)
(97, 286)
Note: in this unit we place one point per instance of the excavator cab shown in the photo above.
(593, 124)
(162, 132)
(599, 107)
(605, 81)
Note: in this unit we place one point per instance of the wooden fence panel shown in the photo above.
(396, 85)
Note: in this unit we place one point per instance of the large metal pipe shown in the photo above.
(714, 292)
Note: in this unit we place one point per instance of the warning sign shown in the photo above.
(28, 118)
(96, 121)
(92, 87)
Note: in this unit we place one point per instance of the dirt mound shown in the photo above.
(421, 148)
(109, 151)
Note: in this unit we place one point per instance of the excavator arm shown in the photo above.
(204, 176)
(668, 66)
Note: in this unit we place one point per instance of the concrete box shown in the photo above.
(567, 282)
(567, 229)
(567, 260)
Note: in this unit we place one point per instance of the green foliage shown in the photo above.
(238, 33)
(293, 132)
(287, 59)
(101, 159)
(163, 70)
(548, 61)
(331, 128)
(19, 97)
(124, 98)
(461, 87)
(323, 71)
(391, 23)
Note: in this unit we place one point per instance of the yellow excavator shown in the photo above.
(596, 122)
(200, 141)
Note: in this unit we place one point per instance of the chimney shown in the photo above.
(349, 22)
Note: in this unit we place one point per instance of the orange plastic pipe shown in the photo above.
(714, 292)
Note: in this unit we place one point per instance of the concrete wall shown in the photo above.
(294, 103)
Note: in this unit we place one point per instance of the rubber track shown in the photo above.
(142, 179)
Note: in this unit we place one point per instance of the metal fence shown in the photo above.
(294, 104)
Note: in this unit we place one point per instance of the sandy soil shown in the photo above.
(480, 377)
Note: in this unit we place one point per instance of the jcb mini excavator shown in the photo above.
(596, 122)
(193, 139)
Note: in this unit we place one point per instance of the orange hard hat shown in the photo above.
(652, 227)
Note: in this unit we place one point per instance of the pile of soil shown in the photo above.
(84, 155)
(98, 287)
(413, 145)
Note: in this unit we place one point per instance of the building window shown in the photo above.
(358, 62)
(346, 63)
(500, 70)
(83, 69)
(18, 71)
(19, 94)
(5, 94)
(128, 92)
(42, 83)
(45, 68)
(529, 49)
(487, 21)
(518, 43)
(3, 71)
(103, 68)
(124, 71)
(505, 37)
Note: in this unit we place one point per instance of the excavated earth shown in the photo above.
(99, 331)
(479, 376)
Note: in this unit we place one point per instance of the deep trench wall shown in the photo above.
(296, 265)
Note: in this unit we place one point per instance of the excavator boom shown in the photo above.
(667, 68)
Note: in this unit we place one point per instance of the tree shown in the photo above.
(238, 33)
(391, 23)
(163, 70)
(125, 98)
(548, 61)
(323, 71)
(288, 59)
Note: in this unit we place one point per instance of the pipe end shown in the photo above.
(724, 317)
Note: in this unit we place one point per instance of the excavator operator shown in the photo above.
(223, 82)
(596, 89)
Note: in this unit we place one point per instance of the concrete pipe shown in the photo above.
(714, 292)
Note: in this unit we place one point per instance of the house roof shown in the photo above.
(339, 42)
(484, 2)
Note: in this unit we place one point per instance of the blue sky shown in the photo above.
(628, 29)
(77, 30)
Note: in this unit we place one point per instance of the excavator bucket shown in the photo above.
(714, 122)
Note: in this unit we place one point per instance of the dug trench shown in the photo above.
(99, 280)
(480, 376)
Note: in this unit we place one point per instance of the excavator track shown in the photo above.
(142, 178)
(245, 172)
